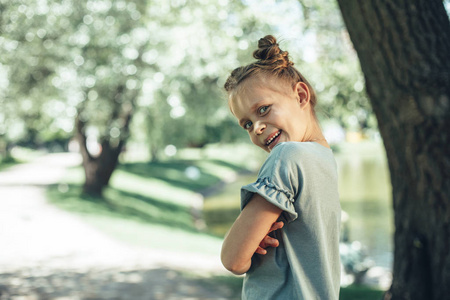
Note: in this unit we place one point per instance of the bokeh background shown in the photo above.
(120, 163)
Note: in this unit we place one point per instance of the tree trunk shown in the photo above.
(98, 170)
(5, 151)
(403, 47)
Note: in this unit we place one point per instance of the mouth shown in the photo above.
(273, 138)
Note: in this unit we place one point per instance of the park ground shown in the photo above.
(58, 248)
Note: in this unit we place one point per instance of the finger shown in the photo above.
(276, 226)
(261, 251)
(269, 242)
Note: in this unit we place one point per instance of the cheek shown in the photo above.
(256, 142)
(253, 139)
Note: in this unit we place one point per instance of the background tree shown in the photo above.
(403, 48)
(97, 63)
(28, 99)
(331, 64)
(152, 73)
(106, 47)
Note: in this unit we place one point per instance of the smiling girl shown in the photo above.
(286, 238)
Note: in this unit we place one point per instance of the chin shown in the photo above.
(264, 147)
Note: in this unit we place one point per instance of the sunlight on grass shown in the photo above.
(244, 155)
(157, 188)
(156, 236)
(22, 154)
(148, 204)
(139, 220)
(73, 175)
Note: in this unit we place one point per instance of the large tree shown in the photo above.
(403, 47)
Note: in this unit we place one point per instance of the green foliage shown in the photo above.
(333, 67)
(165, 60)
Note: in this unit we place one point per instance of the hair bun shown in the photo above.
(269, 53)
(267, 48)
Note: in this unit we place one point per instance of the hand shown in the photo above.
(269, 241)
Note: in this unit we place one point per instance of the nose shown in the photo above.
(259, 127)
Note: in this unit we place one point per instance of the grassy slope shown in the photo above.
(147, 204)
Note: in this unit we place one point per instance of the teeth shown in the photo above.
(272, 138)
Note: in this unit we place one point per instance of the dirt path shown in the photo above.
(47, 253)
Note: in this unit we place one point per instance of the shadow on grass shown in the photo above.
(142, 205)
(5, 166)
(8, 162)
(121, 204)
(173, 173)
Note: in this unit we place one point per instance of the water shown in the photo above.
(365, 194)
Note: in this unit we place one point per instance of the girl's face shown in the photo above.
(273, 112)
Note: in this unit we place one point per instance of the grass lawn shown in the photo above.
(149, 204)
(7, 164)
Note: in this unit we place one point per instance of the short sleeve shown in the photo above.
(279, 180)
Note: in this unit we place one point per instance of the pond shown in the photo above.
(365, 195)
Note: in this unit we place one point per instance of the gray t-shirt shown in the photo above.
(301, 179)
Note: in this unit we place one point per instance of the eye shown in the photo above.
(247, 125)
(263, 109)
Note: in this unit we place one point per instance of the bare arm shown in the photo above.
(269, 241)
(247, 232)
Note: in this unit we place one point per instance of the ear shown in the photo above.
(302, 92)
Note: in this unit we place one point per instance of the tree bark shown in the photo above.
(403, 47)
(98, 170)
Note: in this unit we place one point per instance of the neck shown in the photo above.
(314, 134)
(313, 131)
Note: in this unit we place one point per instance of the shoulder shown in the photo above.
(299, 155)
(293, 150)
(286, 156)
(289, 146)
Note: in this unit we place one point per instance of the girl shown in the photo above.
(296, 186)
